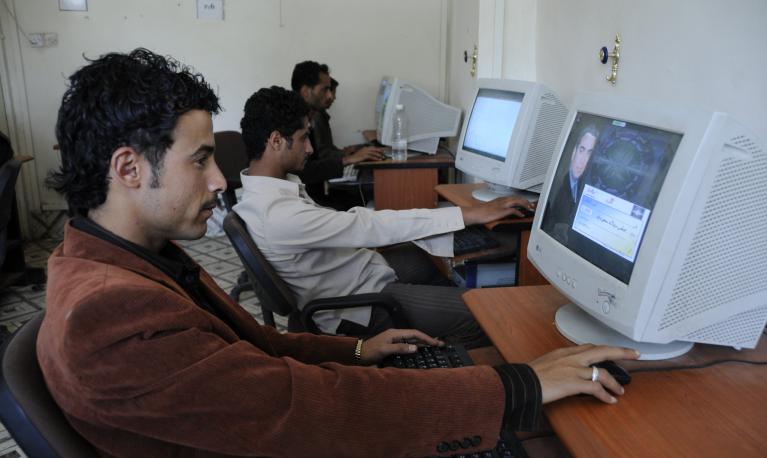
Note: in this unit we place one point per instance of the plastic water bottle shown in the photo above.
(399, 135)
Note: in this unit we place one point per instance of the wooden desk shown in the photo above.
(717, 411)
(407, 184)
(527, 274)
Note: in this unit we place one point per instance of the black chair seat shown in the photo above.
(26, 407)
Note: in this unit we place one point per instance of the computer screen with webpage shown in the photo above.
(605, 188)
(491, 122)
(651, 222)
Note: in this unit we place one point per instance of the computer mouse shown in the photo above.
(619, 374)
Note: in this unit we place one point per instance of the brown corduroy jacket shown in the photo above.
(140, 370)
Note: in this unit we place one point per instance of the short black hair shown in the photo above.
(268, 110)
(119, 100)
(591, 129)
(307, 73)
(333, 84)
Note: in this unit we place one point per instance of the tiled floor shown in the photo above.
(215, 255)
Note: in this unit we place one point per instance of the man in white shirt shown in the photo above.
(321, 252)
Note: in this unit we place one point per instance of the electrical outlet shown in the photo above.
(37, 40)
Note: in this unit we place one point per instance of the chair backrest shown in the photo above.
(6, 152)
(231, 159)
(9, 172)
(272, 291)
(26, 407)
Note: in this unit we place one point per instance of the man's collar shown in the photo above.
(290, 183)
(173, 261)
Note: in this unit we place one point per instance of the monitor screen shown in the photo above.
(605, 187)
(492, 122)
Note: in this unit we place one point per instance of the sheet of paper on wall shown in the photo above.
(73, 5)
(210, 10)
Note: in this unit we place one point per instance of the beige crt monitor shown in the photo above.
(653, 225)
(509, 137)
(428, 118)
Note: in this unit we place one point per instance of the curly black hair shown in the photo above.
(119, 100)
(268, 110)
(307, 73)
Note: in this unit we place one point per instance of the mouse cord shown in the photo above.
(696, 366)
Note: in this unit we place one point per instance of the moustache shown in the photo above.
(209, 205)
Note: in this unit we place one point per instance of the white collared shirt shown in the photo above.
(321, 252)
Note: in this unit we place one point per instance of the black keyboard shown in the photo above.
(449, 356)
(471, 239)
(502, 449)
(427, 357)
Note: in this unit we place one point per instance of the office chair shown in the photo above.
(276, 297)
(231, 159)
(9, 172)
(26, 407)
(6, 152)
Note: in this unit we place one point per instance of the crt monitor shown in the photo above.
(651, 223)
(428, 118)
(510, 136)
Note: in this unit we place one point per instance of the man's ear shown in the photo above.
(126, 167)
(274, 141)
(305, 92)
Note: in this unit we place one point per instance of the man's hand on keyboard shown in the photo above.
(568, 371)
(368, 153)
(494, 210)
(394, 341)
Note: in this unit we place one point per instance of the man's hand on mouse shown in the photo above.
(494, 210)
(567, 371)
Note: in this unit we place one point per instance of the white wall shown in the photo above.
(256, 45)
(519, 58)
(705, 53)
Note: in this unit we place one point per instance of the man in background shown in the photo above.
(321, 252)
(312, 82)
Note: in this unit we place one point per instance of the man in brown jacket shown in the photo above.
(148, 357)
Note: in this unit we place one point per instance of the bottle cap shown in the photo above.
(400, 106)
